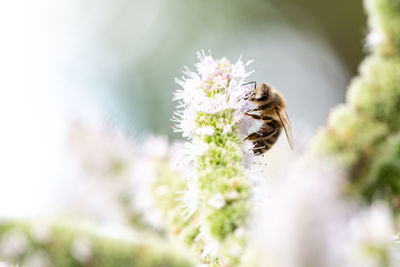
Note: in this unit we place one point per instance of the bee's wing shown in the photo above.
(283, 116)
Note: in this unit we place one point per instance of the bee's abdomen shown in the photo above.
(263, 144)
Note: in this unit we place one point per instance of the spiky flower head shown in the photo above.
(212, 106)
(217, 86)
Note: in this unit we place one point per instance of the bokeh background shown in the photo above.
(69, 61)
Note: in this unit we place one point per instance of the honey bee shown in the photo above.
(271, 109)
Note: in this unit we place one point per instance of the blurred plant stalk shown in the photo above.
(40, 243)
(363, 133)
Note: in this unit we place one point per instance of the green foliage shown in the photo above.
(384, 17)
(384, 178)
(345, 135)
(376, 93)
(359, 132)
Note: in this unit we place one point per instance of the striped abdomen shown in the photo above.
(266, 136)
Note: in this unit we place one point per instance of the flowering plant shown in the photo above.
(212, 103)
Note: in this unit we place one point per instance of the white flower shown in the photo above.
(197, 148)
(227, 128)
(206, 130)
(375, 38)
(13, 243)
(219, 82)
(99, 149)
(302, 221)
(238, 69)
(211, 248)
(218, 78)
(374, 226)
(81, 249)
(39, 258)
(372, 233)
(187, 124)
(233, 195)
(307, 217)
(239, 232)
(117, 232)
(235, 250)
(156, 146)
(190, 199)
(105, 158)
(217, 201)
(207, 64)
(179, 159)
(41, 231)
(143, 177)
(161, 190)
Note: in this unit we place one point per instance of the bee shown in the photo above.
(271, 110)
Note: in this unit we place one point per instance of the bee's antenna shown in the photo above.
(253, 82)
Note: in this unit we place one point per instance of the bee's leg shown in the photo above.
(263, 107)
(258, 136)
(250, 95)
(258, 117)
(253, 136)
(260, 147)
(254, 116)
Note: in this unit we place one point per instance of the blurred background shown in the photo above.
(86, 61)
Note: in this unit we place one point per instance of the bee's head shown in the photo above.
(261, 92)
